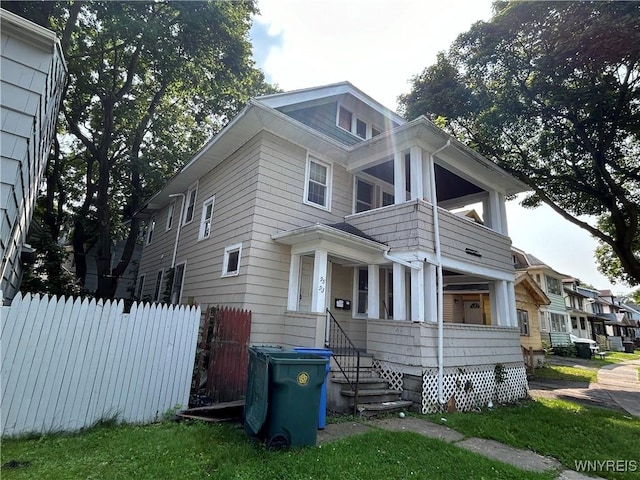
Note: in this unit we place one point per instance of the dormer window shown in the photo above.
(357, 126)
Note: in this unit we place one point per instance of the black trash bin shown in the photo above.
(628, 347)
(283, 396)
(583, 350)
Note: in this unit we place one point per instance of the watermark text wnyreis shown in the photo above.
(619, 466)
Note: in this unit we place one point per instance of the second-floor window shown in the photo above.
(348, 121)
(318, 184)
(170, 214)
(191, 204)
(207, 215)
(553, 285)
(364, 195)
(150, 228)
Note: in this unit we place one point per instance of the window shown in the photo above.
(318, 185)
(364, 196)
(191, 204)
(357, 126)
(523, 322)
(207, 215)
(150, 227)
(582, 324)
(170, 212)
(363, 290)
(387, 199)
(140, 288)
(231, 263)
(158, 288)
(557, 322)
(553, 285)
(574, 323)
(344, 118)
(178, 281)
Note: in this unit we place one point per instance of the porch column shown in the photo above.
(294, 283)
(511, 292)
(430, 293)
(417, 294)
(399, 293)
(319, 291)
(499, 299)
(417, 174)
(427, 170)
(495, 212)
(399, 176)
(373, 292)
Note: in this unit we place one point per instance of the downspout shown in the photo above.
(175, 243)
(439, 300)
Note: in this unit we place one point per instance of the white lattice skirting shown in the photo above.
(473, 387)
(389, 372)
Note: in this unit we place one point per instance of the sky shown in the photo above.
(378, 46)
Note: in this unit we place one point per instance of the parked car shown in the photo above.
(593, 345)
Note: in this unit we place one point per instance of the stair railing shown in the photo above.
(345, 354)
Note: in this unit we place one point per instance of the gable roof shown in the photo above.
(532, 287)
(260, 115)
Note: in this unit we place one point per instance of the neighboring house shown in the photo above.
(618, 324)
(529, 299)
(577, 303)
(554, 316)
(32, 78)
(323, 199)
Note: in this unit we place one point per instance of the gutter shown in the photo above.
(439, 300)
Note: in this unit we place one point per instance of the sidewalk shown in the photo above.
(617, 387)
(522, 459)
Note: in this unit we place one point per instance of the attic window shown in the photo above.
(354, 125)
(345, 118)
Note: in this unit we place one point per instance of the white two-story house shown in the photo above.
(323, 200)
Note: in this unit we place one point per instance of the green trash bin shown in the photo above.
(583, 350)
(283, 396)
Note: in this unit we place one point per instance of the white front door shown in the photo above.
(473, 312)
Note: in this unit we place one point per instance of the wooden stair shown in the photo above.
(375, 396)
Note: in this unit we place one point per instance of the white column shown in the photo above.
(373, 292)
(499, 299)
(294, 283)
(430, 293)
(319, 292)
(497, 213)
(427, 170)
(417, 174)
(417, 294)
(399, 176)
(511, 293)
(399, 293)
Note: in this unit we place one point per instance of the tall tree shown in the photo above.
(149, 82)
(551, 92)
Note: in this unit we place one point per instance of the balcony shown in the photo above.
(409, 227)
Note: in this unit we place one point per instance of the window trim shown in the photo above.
(173, 283)
(140, 287)
(555, 281)
(228, 250)
(171, 213)
(374, 190)
(353, 130)
(209, 201)
(328, 186)
(148, 238)
(523, 322)
(157, 290)
(193, 188)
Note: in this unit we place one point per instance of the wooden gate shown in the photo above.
(226, 353)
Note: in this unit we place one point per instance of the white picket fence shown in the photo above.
(68, 363)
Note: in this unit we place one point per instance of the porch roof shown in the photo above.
(338, 239)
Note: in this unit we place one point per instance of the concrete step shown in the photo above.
(366, 361)
(369, 383)
(372, 396)
(373, 409)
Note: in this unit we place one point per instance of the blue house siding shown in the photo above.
(323, 119)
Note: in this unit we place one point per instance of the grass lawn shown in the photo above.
(221, 451)
(573, 374)
(615, 357)
(556, 428)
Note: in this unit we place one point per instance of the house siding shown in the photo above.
(525, 302)
(31, 83)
